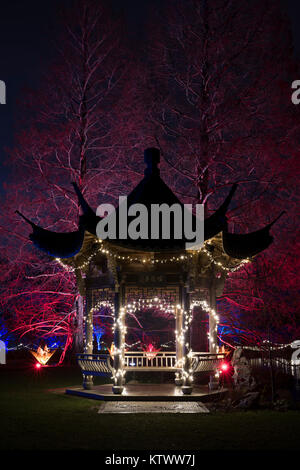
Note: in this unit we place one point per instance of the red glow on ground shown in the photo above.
(38, 366)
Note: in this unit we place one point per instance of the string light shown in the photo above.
(184, 365)
(132, 345)
(186, 371)
(119, 372)
(86, 263)
(213, 314)
(220, 265)
(273, 346)
(145, 260)
(119, 323)
(102, 304)
(89, 318)
(154, 302)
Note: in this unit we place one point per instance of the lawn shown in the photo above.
(32, 417)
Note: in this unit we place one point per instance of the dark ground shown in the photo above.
(32, 417)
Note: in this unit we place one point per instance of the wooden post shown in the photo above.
(88, 342)
(179, 329)
(119, 336)
(213, 336)
(187, 377)
(213, 327)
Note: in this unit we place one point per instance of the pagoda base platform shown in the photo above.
(148, 392)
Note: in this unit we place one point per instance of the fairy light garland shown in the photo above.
(274, 346)
(145, 260)
(187, 375)
(154, 302)
(119, 323)
(89, 318)
(253, 348)
(119, 372)
(181, 338)
(165, 306)
(220, 265)
(132, 345)
(213, 314)
(102, 304)
(86, 263)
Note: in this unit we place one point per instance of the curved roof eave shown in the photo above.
(247, 245)
(151, 190)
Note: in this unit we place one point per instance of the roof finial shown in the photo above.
(152, 158)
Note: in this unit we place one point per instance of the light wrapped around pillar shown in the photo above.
(213, 330)
(179, 344)
(88, 340)
(119, 345)
(186, 370)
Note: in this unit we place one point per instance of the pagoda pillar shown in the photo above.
(179, 345)
(88, 342)
(213, 328)
(119, 343)
(187, 373)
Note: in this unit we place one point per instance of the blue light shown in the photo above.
(98, 333)
(55, 342)
(5, 335)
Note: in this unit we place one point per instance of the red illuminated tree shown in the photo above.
(223, 114)
(70, 135)
(213, 93)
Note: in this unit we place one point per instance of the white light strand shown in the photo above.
(220, 265)
(145, 260)
(213, 314)
(154, 302)
(120, 372)
(181, 339)
(88, 319)
(274, 346)
(163, 305)
(119, 323)
(102, 304)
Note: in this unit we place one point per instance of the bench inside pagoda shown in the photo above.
(139, 361)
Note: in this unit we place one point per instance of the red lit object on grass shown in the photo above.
(38, 365)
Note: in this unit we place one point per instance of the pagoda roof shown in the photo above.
(151, 190)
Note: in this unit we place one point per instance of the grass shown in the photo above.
(34, 418)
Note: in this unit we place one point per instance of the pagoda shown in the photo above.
(126, 276)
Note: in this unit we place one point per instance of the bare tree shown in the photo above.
(70, 136)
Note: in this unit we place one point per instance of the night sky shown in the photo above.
(27, 31)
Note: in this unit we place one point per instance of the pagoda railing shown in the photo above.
(147, 361)
(206, 362)
(101, 364)
(94, 364)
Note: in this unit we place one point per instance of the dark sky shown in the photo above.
(26, 35)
